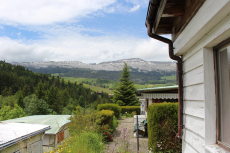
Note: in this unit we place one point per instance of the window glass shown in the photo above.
(223, 59)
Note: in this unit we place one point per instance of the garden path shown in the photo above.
(117, 146)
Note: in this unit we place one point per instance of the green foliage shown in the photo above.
(130, 109)
(65, 98)
(19, 97)
(113, 107)
(162, 127)
(8, 101)
(124, 94)
(40, 91)
(16, 83)
(6, 113)
(35, 106)
(106, 133)
(85, 142)
(66, 111)
(81, 101)
(115, 123)
(105, 117)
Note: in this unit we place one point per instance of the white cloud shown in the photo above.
(82, 48)
(142, 3)
(151, 50)
(134, 8)
(43, 12)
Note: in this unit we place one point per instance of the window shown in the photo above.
(223, 101)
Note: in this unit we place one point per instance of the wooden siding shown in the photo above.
(187, 148)
(195, 43)
(194, 123)
(194, 77)
(194, 140)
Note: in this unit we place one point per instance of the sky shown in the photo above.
(90, 31)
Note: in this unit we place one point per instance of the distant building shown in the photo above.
(59, 125)
(21, 137)
(148, 96)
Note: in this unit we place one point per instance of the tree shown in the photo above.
(40, 91)
(19, 97)
(35, 106)
(65, 98)
(53, 99)
(26, 90)
(6, 113)
(124, 94)
(81, 101)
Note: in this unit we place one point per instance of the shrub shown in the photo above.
(106, 133)
(86, 142)
(105, 117)
(115, 123)
(113, 107)
(162, 127)
(130, 109)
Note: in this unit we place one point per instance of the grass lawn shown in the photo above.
(94, 88)
(139, 86)
(172, 77)
(100, 89)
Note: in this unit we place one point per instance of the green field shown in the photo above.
(172, 77)
(94, 88)
(99, 89)
(140, 86)
(78, 80)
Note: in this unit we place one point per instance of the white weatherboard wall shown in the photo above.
(209, 27)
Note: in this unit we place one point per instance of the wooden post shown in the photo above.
(137, 136)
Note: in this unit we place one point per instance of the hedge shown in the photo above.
(130, 109)
(113, 107)
(105, 117)
(162, 124)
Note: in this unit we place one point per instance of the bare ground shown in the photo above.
(117, 146)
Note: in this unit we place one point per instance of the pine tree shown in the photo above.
(39, 92)
(124, 94)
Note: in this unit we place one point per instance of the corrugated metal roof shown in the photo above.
(13, 133)
(158, 88)
(54, 121)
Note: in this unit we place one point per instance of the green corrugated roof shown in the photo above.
(54, 121)
(158, 88)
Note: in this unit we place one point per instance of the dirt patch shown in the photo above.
(126, 127)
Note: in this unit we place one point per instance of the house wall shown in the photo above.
(32, 144)
(50, 140)
(210, 26)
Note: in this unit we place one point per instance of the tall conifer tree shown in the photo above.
(124, 94)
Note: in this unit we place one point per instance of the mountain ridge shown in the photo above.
(134, 63)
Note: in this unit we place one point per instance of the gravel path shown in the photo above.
(118, 146)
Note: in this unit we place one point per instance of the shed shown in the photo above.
(200, 42)
(59, 128)
(21, 138)
(156, 95)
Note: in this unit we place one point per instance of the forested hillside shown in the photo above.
(150, 77)
(35, 94)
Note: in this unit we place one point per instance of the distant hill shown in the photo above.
(142, 71)
(135, 63)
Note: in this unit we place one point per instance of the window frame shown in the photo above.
(220, 46)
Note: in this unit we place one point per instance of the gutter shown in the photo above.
(179, 74)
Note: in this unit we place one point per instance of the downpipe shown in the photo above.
(179, 74)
